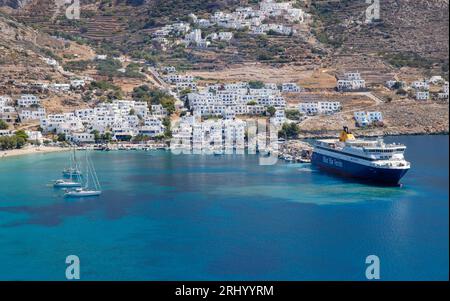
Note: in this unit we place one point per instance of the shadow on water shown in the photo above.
(112, 203)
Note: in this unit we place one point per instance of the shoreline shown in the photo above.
(31, 150)
(329, 134)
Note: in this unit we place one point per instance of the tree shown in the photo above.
(256, 84)
(185, 92)
(19, 141)
(289, 131)
(271, 110)
(61, 137)
(140, 138)
(154, 97)
(96, 135)
(5, 142)
(11, 142)
(293, 114)
(159, 137)
(107, 137)
(168, 103)
(167, 124)
(3, 125)
(21, 134)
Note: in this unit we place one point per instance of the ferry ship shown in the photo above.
(367, 160)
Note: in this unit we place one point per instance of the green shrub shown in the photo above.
(3, 125)
(289, 131)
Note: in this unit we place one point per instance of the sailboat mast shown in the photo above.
(95, 177)
(87, 170)
(73, 166)
(77, 167)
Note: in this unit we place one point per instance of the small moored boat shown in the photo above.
(82, 192)
(73, 170)
(91, 186)
(66, 184)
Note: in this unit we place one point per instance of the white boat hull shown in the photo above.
(84, 193)
(66, 184)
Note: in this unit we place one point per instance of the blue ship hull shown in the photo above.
(345, 168)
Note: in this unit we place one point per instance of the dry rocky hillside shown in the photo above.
(126, 26)
(22, 50)
(409, 42)
(409, 33)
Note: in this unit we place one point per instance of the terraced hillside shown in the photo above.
(409, 34)
(126, 26)
(114, 20)
(23, 51)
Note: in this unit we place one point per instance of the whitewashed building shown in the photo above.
(366, 118)
(195, 37)
(444, 93)
(59, 87)
(352, 81)
(81, 138)
(436, 80)
(279, 118)
(169, 69)
(208, 136)
(77, 83)
(422, 95)
(32, 114)
(225, 36)
(28, 100)
(35, 136)
(321, 107)
(178, 78)
(237, 97)
(5, 100)
(420, 85)
(290, 88)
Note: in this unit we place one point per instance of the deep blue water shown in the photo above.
(192, 217)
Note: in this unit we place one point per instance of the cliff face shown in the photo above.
(14, 3)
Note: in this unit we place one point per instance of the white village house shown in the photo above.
(352, 81)
(321, 107)
(366, 118)
(123, 119)
(422, 95)
(28, 100)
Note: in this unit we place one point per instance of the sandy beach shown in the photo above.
(29, 150)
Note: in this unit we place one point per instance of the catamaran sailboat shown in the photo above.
(92, 185)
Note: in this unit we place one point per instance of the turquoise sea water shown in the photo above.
(193, 217)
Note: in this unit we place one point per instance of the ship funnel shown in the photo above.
(346, 135)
